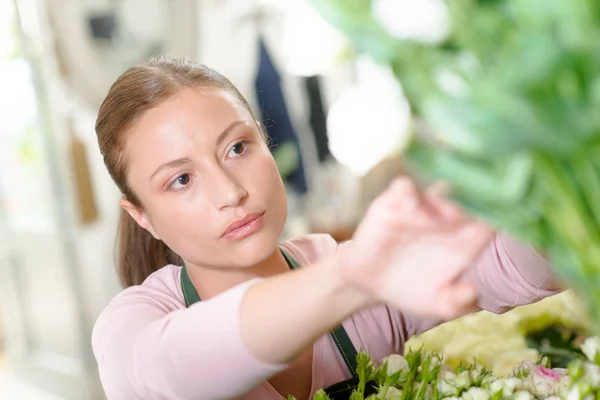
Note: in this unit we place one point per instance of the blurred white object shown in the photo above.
(370, 121)
(425, 21)
(451, 83)
(7, 42)
(17, 97)
(98, 40)
(311, 45)
(333, 204)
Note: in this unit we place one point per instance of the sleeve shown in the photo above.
(507, 274)
(145, 351)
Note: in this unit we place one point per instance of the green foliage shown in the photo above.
(517, 133)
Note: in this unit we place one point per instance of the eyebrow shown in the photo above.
(184, 160)
(223, 135)
(171, 164)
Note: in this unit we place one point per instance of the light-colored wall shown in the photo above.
(227, 42)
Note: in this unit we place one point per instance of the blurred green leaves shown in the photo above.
(510, 110)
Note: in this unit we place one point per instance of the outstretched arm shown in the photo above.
(145, 350)
(218, 348)
(507, 274)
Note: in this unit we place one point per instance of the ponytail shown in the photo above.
(139, 253)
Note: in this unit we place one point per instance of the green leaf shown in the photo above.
(321, 395)
(356, 395)
(287, 158)
(364, 370)
(497, 396)
(557, 342)
(503, 180)
(354, 18)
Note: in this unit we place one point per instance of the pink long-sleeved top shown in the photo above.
(148, 345)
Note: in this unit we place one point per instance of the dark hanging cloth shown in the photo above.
(274, 113)
(317, 116)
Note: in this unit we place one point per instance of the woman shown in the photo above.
(201, 190)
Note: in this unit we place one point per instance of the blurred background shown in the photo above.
(336, 121)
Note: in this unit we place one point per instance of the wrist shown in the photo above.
(342, 289)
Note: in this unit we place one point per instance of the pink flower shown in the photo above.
(545, 381)
(547, 372)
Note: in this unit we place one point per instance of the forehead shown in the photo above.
(189, 119)
(186, 125)
(204, 112)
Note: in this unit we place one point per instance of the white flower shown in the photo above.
(497, 386)
(463, 379)
(393, 394)
(564, 382)
(446, 372)
(425, 21)
(446, 388)
(487, 380)
(506, 385)
(592, 372)
(522, 395)
(591, 347)
(512, 384)
(476, 372)
(524, 369)
(395, 363)
(446, 383)
(435, 360)
(574, 393)
(375, 104)
(476, 393)
(451, 83)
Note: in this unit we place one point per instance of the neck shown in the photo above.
(211, 281)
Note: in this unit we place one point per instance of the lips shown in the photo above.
(243, 227)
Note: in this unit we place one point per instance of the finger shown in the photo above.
(437, 198)
(408, 205)
(439, 189)
(474, 236)
(403, 194)
(457, 300)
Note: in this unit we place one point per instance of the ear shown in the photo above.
(139, 216)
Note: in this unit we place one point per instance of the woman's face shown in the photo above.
(208, 184)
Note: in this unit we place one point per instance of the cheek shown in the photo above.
(179, 221)
(266, 176)
(273, 193)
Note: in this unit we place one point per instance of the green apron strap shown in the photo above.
(345, 347)
(189, 291)
(339, 334)
(293, 264)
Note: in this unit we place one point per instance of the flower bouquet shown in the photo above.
(505, 97)
(554, 327)
(422, 375)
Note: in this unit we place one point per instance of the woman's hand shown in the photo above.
(410, 250)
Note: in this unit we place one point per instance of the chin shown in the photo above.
(258, 247)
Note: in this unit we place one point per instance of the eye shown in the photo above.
(237, 149)
(181, 182)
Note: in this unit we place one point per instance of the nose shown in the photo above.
(225, 190)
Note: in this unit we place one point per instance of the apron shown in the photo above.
(339, 391)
